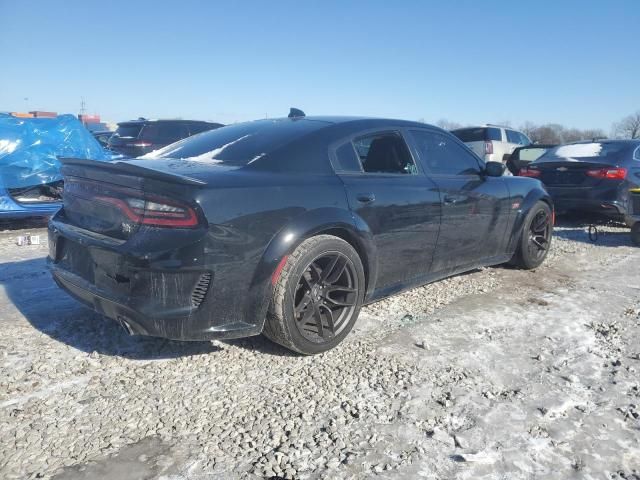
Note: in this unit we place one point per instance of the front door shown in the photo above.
(475, 208)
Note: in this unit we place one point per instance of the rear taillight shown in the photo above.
(529, 172)
(153, 210)
(608, 173)
(488, 148)
(156, 211)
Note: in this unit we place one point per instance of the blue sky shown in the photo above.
(570, 62)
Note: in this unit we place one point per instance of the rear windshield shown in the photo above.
(238, 144)
(610, 153)
(129, 130)
(165, 132)
(478, 134)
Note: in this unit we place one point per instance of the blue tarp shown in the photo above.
(29, 151)
(29, 148)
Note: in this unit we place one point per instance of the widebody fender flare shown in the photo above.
(527, 202)
(336, 221)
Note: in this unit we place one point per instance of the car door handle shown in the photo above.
(453, 199)
(366, 197)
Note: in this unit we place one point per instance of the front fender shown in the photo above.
(527, 202)
(336, 221)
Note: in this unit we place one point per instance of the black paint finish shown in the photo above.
(408, 229)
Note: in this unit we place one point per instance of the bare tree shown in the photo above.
(628, 127)
(554, 133)
(528, 128)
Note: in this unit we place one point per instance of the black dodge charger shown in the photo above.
(286, 227)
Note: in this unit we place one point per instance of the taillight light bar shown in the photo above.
(529, 172)
(608, 173)
(157, 212)
(488, 148)
(153, 210)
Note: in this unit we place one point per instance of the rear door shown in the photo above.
(399, 204)
(475, 208)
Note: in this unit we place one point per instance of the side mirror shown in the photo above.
(494, 169)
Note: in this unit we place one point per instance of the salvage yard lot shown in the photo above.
(500, 373)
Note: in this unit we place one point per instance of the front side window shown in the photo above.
(442, 155)
(384, 153)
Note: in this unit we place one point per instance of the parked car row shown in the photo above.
(137, 137)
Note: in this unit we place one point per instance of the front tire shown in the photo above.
(535, 238)
(318, 296)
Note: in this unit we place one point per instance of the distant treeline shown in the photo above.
(628, 127)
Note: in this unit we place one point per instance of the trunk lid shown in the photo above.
(569, 174)
(117, 199)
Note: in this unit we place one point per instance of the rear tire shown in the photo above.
(318, 296)
(535, 238)
(635, 233)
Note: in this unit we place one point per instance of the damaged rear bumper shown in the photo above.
(161, 296)
(165, 324)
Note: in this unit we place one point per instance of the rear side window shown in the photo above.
(441, 155)
(479, 134)
(384, 153)
(636, 155)
(129, 130)
(239, 144)
(345, 159)
(513, 137)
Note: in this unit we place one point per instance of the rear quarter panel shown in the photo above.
(254, 219)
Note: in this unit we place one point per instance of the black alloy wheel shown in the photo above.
(317, 296)
(540, 235)
(325, 297)
(535, 237)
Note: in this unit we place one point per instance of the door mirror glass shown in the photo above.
(494, 169)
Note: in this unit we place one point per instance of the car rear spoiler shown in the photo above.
(125, 168)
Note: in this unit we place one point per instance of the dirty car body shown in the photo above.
(188, 242)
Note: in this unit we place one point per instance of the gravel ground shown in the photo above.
(499, 373)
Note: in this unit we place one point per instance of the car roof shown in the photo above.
(372, 122)
(161, 120)
(487, 125)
